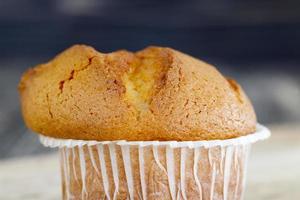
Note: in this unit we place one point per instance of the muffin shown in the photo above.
(155, 124)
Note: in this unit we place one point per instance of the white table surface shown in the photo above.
(273, 173)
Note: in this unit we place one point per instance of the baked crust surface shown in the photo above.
(154, 94)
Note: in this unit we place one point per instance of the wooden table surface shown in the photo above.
(273, 173)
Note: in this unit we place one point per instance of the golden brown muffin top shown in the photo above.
(154, 94)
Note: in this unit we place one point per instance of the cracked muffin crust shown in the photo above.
(154, 94)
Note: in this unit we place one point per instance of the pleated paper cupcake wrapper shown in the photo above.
(209, 170)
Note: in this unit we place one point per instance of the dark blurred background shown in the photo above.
(256, 42)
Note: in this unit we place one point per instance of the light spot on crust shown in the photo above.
(140, 81)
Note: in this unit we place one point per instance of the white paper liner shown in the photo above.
(206, 170)
(91, 172)
(261, 133)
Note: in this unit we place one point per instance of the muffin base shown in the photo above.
(155, 170)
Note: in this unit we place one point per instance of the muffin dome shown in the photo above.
(154, 94)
